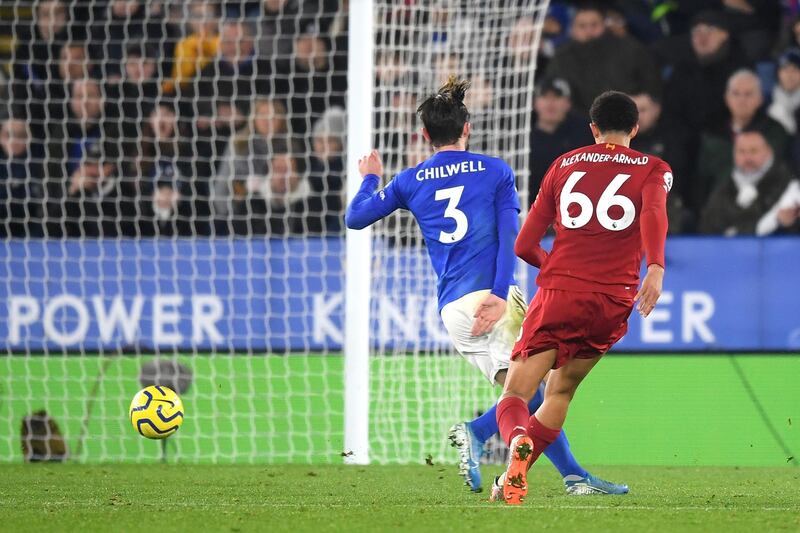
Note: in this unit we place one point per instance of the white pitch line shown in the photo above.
(487, 505)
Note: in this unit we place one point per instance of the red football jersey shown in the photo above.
(607, 202)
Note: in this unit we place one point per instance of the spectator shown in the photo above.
(479, 100)
(657, 138)
(792, 36)
(36, 65)
(224, 87)
(417, 150)
(445, 65)
(554, 34)
(20, 182)
(99, 202)
(34, 59)
(217, 101)
(394, 106)
(274, 203)
(165, 174)
(595, 60)
(278, 24)
(85, 126)
(68, 142)
(124, 22)
(693, 95)
(282, 20)
(749, 201)
(73, 63)
(316, 86)
(786, 94)
(133, 98)
(51, 18)
(756, 24)
(555, 130)
(521, 38)
(249, 150)
(199, 48)
(326, 178)
(744, 100)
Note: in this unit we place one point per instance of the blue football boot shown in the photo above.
(582, 486)
(469, 454)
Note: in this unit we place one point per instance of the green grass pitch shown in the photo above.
(163, 498)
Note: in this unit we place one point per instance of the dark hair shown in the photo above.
(591, 6)
(444, 114)
(614, 111)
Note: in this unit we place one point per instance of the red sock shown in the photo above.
(512, 418)
(542, 436)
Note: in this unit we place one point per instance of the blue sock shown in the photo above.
(561, 457)
(558, 452)
(485, 425)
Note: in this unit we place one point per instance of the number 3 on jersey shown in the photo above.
(453, 195)
(607, 200)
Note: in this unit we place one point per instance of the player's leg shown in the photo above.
(524, 377)
(457, 317)
(560, 389)
(500, 343)
(490, 355)
(561, 386)
(485, 426)
(545, 425)
(577, 480)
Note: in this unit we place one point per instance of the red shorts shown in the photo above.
(579, 325)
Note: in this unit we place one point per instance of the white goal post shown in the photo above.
(358, 273)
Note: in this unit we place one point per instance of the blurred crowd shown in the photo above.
(142, 118)
(195, 117)
(717, 83)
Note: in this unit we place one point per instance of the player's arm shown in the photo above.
(529, 241)
(506, 208)
(507, 229)
(368, 206)
(653, 226)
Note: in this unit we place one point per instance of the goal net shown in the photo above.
(420, 386)
(171, 202)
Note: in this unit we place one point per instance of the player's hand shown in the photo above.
(80, 181)
(650, 290)
(487, 314)
(371, 164)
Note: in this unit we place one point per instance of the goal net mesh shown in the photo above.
(171, 211)
(419, 385)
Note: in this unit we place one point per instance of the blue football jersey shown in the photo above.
(457, 198)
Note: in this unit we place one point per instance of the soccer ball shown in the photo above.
(156, 412)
